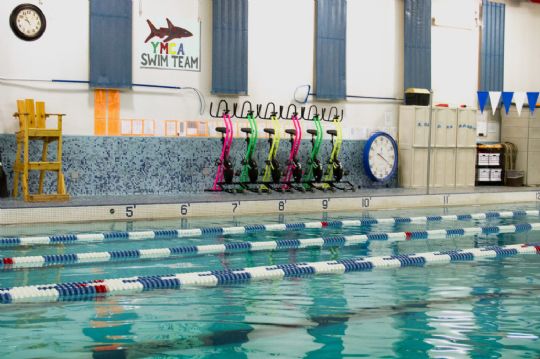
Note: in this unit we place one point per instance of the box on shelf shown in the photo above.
(483, 159)
(495, 175)
(484, 174)
(494, 159)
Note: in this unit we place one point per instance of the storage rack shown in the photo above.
(490, 165)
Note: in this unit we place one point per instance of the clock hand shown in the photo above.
(385, 160)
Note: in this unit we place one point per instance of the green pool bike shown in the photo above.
(272, 170)
(314, 170)
(249, 173)
(334, 170)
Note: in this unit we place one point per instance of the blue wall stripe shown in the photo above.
(331, 49)
(230, 47)
(110, 43)
(417, 43)
(492, 50)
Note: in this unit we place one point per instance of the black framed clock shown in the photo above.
(27, 22)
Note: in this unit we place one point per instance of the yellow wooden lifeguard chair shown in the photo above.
(32, 126)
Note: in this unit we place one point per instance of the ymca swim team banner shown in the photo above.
(169, 44)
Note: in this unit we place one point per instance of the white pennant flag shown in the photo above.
(494, 98)
(519, 99)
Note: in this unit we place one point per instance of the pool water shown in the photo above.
(480, 309)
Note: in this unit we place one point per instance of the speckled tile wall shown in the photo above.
(160, 165)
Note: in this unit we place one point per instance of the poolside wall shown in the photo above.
(159, 165)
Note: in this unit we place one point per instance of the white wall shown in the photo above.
(455, 51)
(61, 53)
(374, 64)
(522, 49)
(281, 52)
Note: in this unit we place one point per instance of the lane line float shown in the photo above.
(237, 247)
(63, 239)
(89, 290)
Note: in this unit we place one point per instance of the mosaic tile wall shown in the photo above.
(160, 165)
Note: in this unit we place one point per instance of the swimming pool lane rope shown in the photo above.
(63, 239)
(88, 290)
(8, 263)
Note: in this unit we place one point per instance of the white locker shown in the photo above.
(453, 153)
(438, 167)
(414, 127)
(451, 129)
(412, 167)
(438, 131)
(421, 133)
(466, 128)
(465, 175)
(407, 126)
(450, 167)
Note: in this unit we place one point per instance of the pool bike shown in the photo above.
(225, 170)
(249, 173)
(334, 170)
(272, 170)
(314, 170)
(293, 173)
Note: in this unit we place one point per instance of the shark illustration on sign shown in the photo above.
(171, 32)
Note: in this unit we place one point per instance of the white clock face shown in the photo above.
(382, 157)
(29, 22)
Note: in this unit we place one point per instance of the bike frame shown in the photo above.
(244, 177)
(225, 150)
(267, 177)
(294, 150)
(315, 150)
(336, 149)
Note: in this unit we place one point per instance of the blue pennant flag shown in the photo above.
(507, 100)
(482, 99)
(532, 97)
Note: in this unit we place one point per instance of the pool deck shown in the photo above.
(138, 207)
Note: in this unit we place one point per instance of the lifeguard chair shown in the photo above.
(32, 127)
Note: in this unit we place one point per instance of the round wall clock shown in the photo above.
(27, 22)
(380, 157)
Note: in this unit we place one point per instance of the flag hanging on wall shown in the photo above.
(507, 100)
(482, 100)
(533, 99)
(494, 99)
(519, 99)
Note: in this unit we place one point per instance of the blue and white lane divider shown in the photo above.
(62, 239)
(236, 247)
(108, 287)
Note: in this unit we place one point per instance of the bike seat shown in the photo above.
(221, 129)
(312, 132)
(270, 131)
(246, 129)
(332, 132)
(291, 131)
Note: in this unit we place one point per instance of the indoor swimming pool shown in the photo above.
(274, 286)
